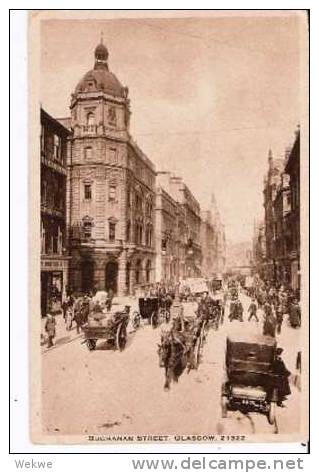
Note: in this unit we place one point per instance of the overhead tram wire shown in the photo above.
(202, 38)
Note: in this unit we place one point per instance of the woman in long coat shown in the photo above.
(50, 328)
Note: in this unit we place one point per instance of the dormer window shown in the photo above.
(111, 115)
(90, 119)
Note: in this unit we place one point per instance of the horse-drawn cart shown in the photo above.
(112, 331)
(154, 310)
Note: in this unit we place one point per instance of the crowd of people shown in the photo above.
(76, 309)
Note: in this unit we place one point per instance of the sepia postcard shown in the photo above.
(168, 234)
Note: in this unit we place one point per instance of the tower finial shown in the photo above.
(102, 37)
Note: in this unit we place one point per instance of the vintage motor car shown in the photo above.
(250, 384)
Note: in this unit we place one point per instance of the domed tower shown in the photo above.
(100, 104)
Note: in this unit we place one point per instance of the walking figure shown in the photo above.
(252, 310)
(50, 328)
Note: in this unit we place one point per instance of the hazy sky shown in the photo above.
(209, 96)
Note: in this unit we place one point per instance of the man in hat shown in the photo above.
(50, 328)
(282, 383)
(252, 311)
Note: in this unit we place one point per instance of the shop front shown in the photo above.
(54, 280)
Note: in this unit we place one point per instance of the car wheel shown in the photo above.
(224, 402)
(272, 413)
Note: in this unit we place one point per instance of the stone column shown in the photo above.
(99, 273)
(121, 286)
(75, 276)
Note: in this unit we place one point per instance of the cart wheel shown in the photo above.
(224, 402)
(91, 344)
(272, 413)
(197, 353)
(120, 340)
(154, 319)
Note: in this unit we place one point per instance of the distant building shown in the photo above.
(167, 238)
(292, 216)
(239, 258)
(272, 183)
(219, 257)
(282, 218)
(259, 249)
(208, 243)
(54, 259)
(187, 244)
(111, 189)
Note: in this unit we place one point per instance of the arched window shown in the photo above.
(148, 271)
(90, 120)
(112, 192)
(138, 268)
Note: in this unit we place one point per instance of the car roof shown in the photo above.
(252, 338)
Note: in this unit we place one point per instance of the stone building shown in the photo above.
(208, 239)
(54, 259)
(272, 183)
(282, 218)
(292, 217)
(186, 232)
(281, 232)
(167, 241)
(259, 249)
(110, 191)
(189, 225)
(219, 257)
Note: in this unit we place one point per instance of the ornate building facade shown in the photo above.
(272, 183)
(110, 191)
(208, 244)
(282, 218)
(54, 259)
(167, 238)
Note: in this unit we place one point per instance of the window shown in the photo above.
(57, 147)
(128, 231)
(148, 271)
(87, 191)
(113, 156)
(88, 153)
(111, 115)
(42, 138)
(138, 271)
(90, 119)
(112, 231)
(164, 244)
(87, 229)
(112, 192)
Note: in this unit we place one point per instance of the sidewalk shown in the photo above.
(63, 336)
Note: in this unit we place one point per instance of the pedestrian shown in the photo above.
(50, 328)
(69, 318)
(278, 367)
(240, 311)
(279, 317)
(64, 307)
(109, 300)
(269, 327)
(252, 310)
(295, 314)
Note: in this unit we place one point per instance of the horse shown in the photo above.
(173, 356)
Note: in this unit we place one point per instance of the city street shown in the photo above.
(109, 392)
